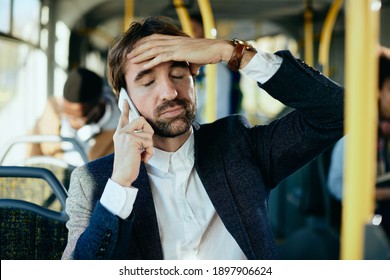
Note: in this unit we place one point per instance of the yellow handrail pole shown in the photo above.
(362, 25)
(183, 16)
(326, 35)
(308, 33)
(129, 14)
(211, 69)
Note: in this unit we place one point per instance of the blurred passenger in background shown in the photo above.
(335, 179)
(227, 82)
(87, 112)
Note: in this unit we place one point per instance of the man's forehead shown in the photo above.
(131, 69)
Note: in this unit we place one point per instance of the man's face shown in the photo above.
(164, 96)
(384, 98)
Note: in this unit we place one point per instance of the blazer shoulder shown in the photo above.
(96, 170)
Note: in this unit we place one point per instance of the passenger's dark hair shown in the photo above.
(384, 69)
(124, 43)
(83, 86)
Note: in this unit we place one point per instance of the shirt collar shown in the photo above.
(161, 159)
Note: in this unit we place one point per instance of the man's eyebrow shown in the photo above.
(142, 73)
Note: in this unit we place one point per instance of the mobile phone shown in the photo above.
(123, 96)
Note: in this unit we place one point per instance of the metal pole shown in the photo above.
(128, 14)
(326, 35)
(183, 16)
(362, 26)
(308, 28)
(209, 31)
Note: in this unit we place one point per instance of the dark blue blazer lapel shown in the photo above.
(211, 170)
(145, 220)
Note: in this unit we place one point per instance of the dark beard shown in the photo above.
(176, 126)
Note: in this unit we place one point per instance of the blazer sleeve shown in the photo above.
(100, 239)
(93, 231)
(288, 143)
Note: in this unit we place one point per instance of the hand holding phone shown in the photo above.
(133, 142)
(124, 97)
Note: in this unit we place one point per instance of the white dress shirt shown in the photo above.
(188, 224)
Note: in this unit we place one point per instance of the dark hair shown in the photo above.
(384, 69)
(124, 43)
(83, 86)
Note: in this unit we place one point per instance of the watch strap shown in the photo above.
(239, 49)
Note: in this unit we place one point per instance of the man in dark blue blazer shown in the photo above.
(174, 189)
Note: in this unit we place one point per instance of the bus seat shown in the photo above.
(312, 242)
(37, 190)
(30, 231)
(9, 146)
(61, 169)
(11, 155)
(301, 213)
(297, 197)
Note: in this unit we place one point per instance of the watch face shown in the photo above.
(244, 43)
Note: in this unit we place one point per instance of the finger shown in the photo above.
(139, 125)
(150, 42)
(124, 117)
(144, 144)
(147, 128)
(147, 154)
(156, 60)
(155, 51)
(194, 68)
(146, 54)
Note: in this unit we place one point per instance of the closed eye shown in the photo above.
(179, 70)
(148, 84)
(178, 76)
(179, 73)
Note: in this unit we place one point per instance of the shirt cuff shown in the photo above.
(262, 66)
(118, 200)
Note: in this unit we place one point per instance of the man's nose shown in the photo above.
(167, 89)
